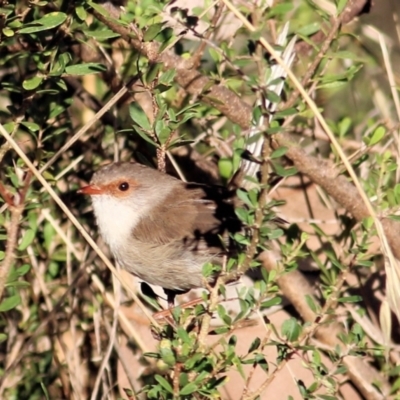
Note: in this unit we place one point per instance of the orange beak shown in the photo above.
(91, 190)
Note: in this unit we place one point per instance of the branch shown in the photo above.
(353, 9)
(12, 237)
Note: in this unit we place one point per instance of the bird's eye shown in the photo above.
(124, 186)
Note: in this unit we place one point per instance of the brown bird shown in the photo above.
(159, 228)
(164, 230)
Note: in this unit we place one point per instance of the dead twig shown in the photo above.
(17, 205)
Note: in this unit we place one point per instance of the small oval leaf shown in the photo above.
(32, 83)
(85, 69)
(9, 303)
(27, 239)
(48, 21)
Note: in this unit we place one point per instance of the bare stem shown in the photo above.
(12, 237)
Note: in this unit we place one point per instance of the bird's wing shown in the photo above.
(194, 214)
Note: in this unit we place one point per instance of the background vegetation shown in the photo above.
(179, 87)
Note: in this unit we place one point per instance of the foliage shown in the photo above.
(188, 93)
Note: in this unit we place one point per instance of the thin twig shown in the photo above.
(106, 356)
(12, 237)
(17, 208)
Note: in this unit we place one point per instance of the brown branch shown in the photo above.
(353, 9)
(12, 237)
(17, 205)
(6, 195)
(316, 60)
(196, 57)
(191, 80)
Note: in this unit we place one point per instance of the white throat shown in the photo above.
(116, 219)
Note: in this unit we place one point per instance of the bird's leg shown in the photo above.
(166, 314)
(170, 297)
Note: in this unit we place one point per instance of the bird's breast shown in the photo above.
(115, 219)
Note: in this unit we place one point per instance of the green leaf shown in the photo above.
(48, 21)
(341, 4)
(350, 299)
(344, 126)
(261, 361)
(167, 77)
(291, 329)
(332, 85)
(58, 67)
(377, 136)
(48, 234)
(27, 239)
(215, 55)
(272, 97)
(309, 29)
(152, 73)
(311, 303)
(101, 10)
(176, 313)
(32, 83)
(280, 9)
(225, 167)
(31, 126)
(21, 271)
(3, 337)
(139, 117)
(184, 110)
(145, 136)
(285, 113)
(9, 303)
(9, 127)
(244, 196)
(164, 383)
(271, 302)
(223, 315)
(188, 389)
(152, 355)
(8, 32)
(368, 223)
(162, 131)
(46, 393)
(85, 69)
(18, 284)
(166, 352)
(102, 35)
(275, 234)
(284, 172)
(208, 269)
(279, 152)
(394, 217)
(255, 345)
(346, 55)
(153, 31)
(81, 13)
(165, 37)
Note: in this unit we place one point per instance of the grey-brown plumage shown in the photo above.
(159, 228)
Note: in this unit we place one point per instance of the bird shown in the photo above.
(164, 230)
(161, 229)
